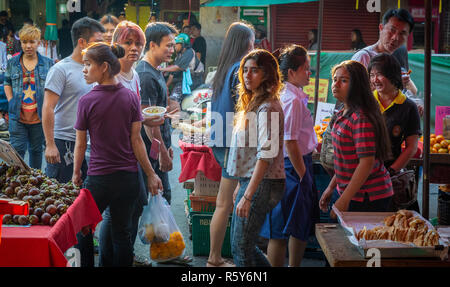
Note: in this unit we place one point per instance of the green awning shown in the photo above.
(242, 3)
(51, 30)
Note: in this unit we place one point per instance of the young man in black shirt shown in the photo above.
(160, 45)
(199, 44)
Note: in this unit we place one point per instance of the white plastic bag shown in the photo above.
(159, 229)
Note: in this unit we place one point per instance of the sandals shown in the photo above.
(140, 261)
(185, 261)
(223, 263)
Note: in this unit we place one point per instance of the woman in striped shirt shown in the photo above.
(361, 144)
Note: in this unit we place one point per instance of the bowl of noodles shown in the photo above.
(154, 111)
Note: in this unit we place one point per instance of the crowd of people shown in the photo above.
(69, 110)
(271, 183)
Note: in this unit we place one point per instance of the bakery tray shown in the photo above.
(353, 222)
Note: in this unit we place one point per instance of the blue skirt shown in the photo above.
(297, 213)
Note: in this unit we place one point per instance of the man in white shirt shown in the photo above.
(395, 28)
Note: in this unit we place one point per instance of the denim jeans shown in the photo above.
(119, 191)
(220, 154)
(106, 246)
(63, 171)
(245, 231)
(25, 137)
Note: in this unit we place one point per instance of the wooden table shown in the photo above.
(341, 253)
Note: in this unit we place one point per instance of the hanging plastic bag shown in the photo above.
(187, 82)
(159, 229)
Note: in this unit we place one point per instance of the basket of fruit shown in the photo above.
(439, 159)
(438, 144)
(319, 130)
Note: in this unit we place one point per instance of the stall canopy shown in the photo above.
(51, 31)
(242, 3)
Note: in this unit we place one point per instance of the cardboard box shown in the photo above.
(204, 186)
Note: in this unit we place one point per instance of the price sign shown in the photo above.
(323, 90)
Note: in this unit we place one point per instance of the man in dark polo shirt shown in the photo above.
(160, 44)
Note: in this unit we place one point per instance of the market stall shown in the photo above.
(54, 214)
(41, 245)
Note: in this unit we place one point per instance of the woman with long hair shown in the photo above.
(361, 145)
(291, 222)
(357, 40)
(111, 111)
(256, 154)
(239, 40)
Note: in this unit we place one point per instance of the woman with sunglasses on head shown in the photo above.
(256, 154)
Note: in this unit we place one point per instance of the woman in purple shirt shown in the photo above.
(111, 114)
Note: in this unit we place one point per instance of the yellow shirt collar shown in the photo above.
(399, 99)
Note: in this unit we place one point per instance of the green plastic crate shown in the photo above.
(188, 193)
(200, 235)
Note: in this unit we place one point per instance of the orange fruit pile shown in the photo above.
(438, 144)
(173, 248)
(320, 129)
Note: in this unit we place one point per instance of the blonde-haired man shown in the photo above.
(24, 88)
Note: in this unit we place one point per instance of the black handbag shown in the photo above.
(405, 189)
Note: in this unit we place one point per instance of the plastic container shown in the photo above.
(205, 186)
(200, 235)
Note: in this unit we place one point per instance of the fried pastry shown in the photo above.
(402, 226)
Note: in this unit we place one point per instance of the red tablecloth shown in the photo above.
(81, 213)
(198, 158)
(30, 247)
(44, 245)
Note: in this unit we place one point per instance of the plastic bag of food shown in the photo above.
(159, 229)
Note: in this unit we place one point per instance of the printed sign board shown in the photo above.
(323, 90)
(324, 110)
(441, 112)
